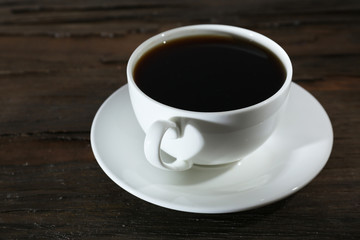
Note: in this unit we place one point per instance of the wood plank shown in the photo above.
(70, 197)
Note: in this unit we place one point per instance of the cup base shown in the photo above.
(285, 163)
(167, 158)
(222, 165)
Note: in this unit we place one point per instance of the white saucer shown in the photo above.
(288, 160)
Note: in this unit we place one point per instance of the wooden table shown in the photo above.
(59, 60)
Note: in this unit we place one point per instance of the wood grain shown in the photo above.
(59, 60)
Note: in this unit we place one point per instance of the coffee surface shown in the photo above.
(209, 73)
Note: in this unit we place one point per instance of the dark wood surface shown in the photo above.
(59, 60)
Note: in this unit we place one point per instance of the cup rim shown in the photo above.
(193, 30)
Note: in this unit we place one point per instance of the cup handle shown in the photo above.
(152, 146)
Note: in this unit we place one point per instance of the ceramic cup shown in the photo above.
(176, 139)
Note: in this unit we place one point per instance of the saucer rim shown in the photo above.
(213, 210)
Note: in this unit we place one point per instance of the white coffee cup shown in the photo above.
(176, 139)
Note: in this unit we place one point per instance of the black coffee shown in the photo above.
(209, 73)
